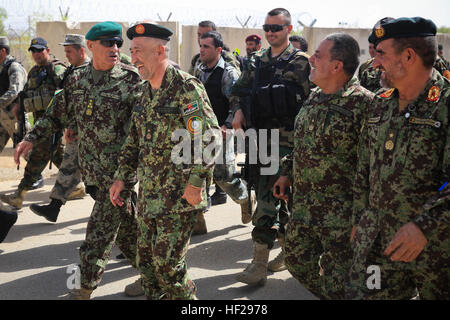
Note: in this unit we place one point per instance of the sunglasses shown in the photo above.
(273, 27)
(109, 43)
(34, 50)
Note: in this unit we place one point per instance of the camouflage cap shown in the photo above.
(71, 39)
(403, 28)
(104, 30)
(4, 42)
(149, 30)
(38, 43)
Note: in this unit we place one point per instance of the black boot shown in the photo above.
(218, 197)
(7, 220)
(50, 211)
(38, 184)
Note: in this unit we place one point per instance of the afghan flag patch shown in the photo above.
(190, 108)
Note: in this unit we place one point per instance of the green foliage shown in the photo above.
(443, 29)
(3, 16)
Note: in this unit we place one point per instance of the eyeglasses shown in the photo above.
(34, 50)
(274, 27)
(109, 43)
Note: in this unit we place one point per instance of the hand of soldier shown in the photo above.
(239, 120)
(193, 195)
(225, 131)
(70, 135)
(114, 193)
(407, 243)
(282, 184)
(22, 149)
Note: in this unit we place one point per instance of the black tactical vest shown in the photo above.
(4, 77)
(219, 101)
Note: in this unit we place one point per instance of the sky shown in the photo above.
(329, 13)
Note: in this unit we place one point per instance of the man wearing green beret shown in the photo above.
(171, 194)
(401, 203)
(96, 103)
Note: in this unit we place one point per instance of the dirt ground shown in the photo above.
(8, 169)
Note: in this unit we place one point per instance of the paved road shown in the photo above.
(36, 255)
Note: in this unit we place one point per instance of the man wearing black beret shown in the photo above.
(171, 194)
(401, 203)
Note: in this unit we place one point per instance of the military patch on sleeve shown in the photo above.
(433, 94)
(388, 93)
(194, 125)
(190, 108)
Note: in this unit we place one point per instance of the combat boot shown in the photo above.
(246, 216)
(219, 197)
(79, 294)
(256, 271)
(200, 225)
(50, 211)
(78, 193)
(7, 220)
(277, 264)
(134, 289)
(15, 199)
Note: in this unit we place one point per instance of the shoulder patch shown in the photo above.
(190, 108)
(388, 93)
(433, 94)
(194, 124)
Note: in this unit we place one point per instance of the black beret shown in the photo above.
(403, 28)
(149, 30)
(372, 36)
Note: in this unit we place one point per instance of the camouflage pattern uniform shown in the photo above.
(98, 106)
(322, 168)
(442, 66)
(369, 77)
(165, 220)
(403, 160)
(266, 220)
(69, 175)
(42, 83)
(17, 77)
(223, 172)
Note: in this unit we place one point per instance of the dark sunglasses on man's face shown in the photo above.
(34, 50)
(273, 27)
(109, 43)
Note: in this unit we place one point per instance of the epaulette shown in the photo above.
(387, 94)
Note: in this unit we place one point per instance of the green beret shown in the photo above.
(149, 30)
(104, 29)
(372, 36)
(403, 28)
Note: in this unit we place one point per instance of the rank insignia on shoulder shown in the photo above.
(388, 93)
(191, 108)
(194, 125)
(433, 94)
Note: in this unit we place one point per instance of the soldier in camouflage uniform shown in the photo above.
(321, 169)
(401, 207)
(68, 185)
(252, 45)
(43, 80)
(12, 80)
(96, 103)
(281, 85)
(171, 194)
(369, 77)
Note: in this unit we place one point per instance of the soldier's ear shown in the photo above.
(338, 66)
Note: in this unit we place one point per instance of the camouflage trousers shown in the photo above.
(69, 175)
(163, 242)
(310, 248)
(428, 274)
(108, 225)
(224, 173)
(271, 214)
(7, 127)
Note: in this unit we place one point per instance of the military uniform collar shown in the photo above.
(285, 55)
(220, 64)
(345, 91)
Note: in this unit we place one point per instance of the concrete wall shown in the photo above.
(232, 37)
(55, 31)
(315, 35)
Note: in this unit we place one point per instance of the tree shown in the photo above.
(443, 29)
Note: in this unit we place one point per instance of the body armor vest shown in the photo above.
(219, 101)
(4, 77)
